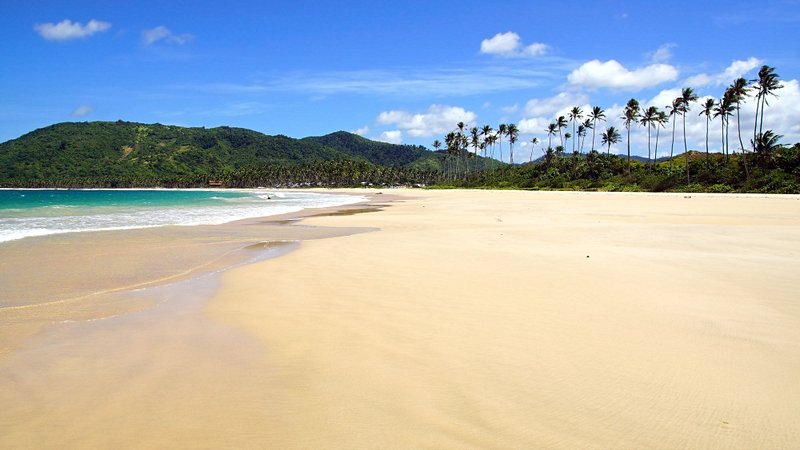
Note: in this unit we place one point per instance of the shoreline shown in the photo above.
(489, 319)
(89, 272)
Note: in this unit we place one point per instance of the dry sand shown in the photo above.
(472, 319)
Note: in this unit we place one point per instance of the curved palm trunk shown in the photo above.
(741, 145)
(672, 146)
(655, 151)
(755, 122)
(501, 148)
(629, 149)
(594, 125)
(686, 148)
(649, 131)
(708, 155)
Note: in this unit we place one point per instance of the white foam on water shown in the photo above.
(229, 209)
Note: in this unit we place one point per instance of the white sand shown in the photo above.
(473, 319)
(524, 320)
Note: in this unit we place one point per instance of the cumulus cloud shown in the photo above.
(533, 125)
(82, 111)
(663, 54)
(159, 33)
(361, 131)
(437, 120)
(556, 105)
(736, 69)
(392, 137)
(611, 74)
(509, 44)
(67, 29)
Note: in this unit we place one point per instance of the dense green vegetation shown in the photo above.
(134, 154)
(763, 166)
(126, 154)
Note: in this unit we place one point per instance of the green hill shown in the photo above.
(135, 151)
(380, 153)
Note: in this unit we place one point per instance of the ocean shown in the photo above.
(38, 212)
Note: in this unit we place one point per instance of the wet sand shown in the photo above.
(472, 319)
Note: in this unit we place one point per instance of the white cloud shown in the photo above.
(736, 69)
(153, 35)
(664, 98)
(67, 29)
(82, 111)
(663, 54)
(437, 120)
(611, 74)
(556, 105)
(509, 44)
(361, 131)
(392, 137)
(534, 125)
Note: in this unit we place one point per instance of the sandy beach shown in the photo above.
(432, 319)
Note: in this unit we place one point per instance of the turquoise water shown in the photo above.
(37, 212)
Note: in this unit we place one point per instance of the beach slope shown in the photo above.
(534, 319)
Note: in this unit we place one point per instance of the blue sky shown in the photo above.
(395, 71)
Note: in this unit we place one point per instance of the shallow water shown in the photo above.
(39, 212)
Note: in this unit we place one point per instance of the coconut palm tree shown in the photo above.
(629, 117)
(486, 131)
(512, 132)
(738, 92)
(561, 122)
(597, 114)
(766, 85)
(587, 125)
(687, 96)
(534, 141)
(674, 111)
(551, 130)
(575, 114)
(660, 120)
(724, 110)
(609, 137)
(708, 108)
(501, 131)
(765, 145)
(648, 119)
(475, 141)
(492, 140)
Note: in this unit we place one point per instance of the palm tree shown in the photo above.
(534, 141)
(486, 131)
(551, 130)
(512, 132)
(574, 115)
(648, 120)
(501, 131)
(738, 91)
(561, 122)
(687, 96)
(567, 136)
(475, 141)
(660, 120)
(765, 145)
(629, 116)
(724, 109)
(492, 140)
(587, 125)
(708, 108)
(609, 137)
(674, 110)
(766, 85)
(597, 114)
